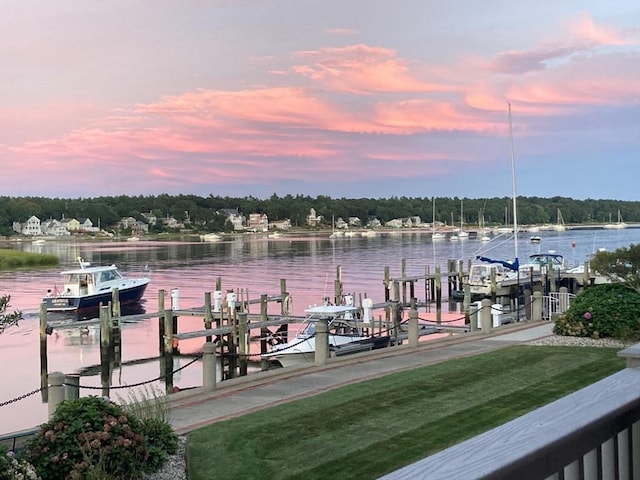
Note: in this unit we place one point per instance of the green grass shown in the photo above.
(12, 259)
(365, 430)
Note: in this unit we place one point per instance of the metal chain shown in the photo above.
(21, 397)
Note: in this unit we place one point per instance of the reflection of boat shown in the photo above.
(38, 241)
(87, 288)
(344, 328)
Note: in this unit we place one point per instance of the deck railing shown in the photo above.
(593, 433)
(555, 304)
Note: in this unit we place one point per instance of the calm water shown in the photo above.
(246, 262)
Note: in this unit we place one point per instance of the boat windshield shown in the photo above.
(307, 329)
(109, 275)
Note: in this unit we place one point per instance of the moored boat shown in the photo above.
(344, 328)
(86, 288)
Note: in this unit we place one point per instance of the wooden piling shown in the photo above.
(243, 342)
(43, 351)
(105, 349)
(161, 321)
(207, 314)
(438, 288)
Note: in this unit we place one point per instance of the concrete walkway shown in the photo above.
(261, 390)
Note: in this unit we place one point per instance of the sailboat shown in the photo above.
(560, 226)
(619, 224)
(462, 233)
(435, 235)
(505, 273)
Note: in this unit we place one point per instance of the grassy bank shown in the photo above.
(11, 259)
(365, 430)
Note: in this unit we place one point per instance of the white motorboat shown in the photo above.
(343, 327)
(86, 288)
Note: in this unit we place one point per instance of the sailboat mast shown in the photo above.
(513, 183)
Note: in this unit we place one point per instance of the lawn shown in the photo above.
(365, 430)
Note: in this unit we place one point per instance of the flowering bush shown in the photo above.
(13, 468)
(87, 433)
(609, 310)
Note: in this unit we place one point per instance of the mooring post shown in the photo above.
(115, 303)
(56, 391)
(243, 347)
(43, 351)
(466, 302)
(485, 316)
(175, 306)
(161, 321)
(322, 342)
(209, 362)
(536, 307)
(105, 349)
(72, 387)
(438, 280)
(403, 274)
(207, 313)
(413, 326)
(474, 320)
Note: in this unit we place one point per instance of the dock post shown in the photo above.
(536, 307)
(106, 352)
(466, 302)
(438, 281)
(209, 367)
(115, 303)
(473, 317)
(72, 387)
(167, 353)
(403, 274)
(485, 316)
(413, 327)
(161, 321)
(243, 347)
(56, 391)
(175, 306)
(44, 367)
(322, 343)
(207, 313)
(337, 286)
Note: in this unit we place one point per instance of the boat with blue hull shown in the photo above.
(86, 288)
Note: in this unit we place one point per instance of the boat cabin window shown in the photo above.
(308, 328)
(108, 276)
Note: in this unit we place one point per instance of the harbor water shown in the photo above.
(250, 262)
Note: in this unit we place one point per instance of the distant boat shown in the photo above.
(435, 235)
(210, 237)
(619, 224)
(462, 234)
(535, 239)
(560, 226)
(38, 241)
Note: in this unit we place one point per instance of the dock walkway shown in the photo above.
(262, 390)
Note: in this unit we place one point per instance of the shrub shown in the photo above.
(87, 436)
(12, 467)
(161, 441)
(609, 310)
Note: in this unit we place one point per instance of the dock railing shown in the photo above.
(593, 433)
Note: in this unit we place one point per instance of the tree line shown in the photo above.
(205, 211)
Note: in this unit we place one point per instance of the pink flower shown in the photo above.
(587, 315)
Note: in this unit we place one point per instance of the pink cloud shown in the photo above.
(584, 28)
(360, 69)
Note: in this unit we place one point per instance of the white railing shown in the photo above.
(555, 304)
(593, 433)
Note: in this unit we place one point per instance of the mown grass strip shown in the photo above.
(367, 429)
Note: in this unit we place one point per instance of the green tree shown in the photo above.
(8, 319)
(622, 265)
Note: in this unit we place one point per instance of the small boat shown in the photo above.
(618, 225)
(210, 237)
(86, 288)
(345, 328)
(38, 241)
(535, 239)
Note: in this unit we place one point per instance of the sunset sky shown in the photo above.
(342, 98)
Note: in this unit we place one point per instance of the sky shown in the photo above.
(344, 98)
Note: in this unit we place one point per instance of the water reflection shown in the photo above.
(307, 264)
